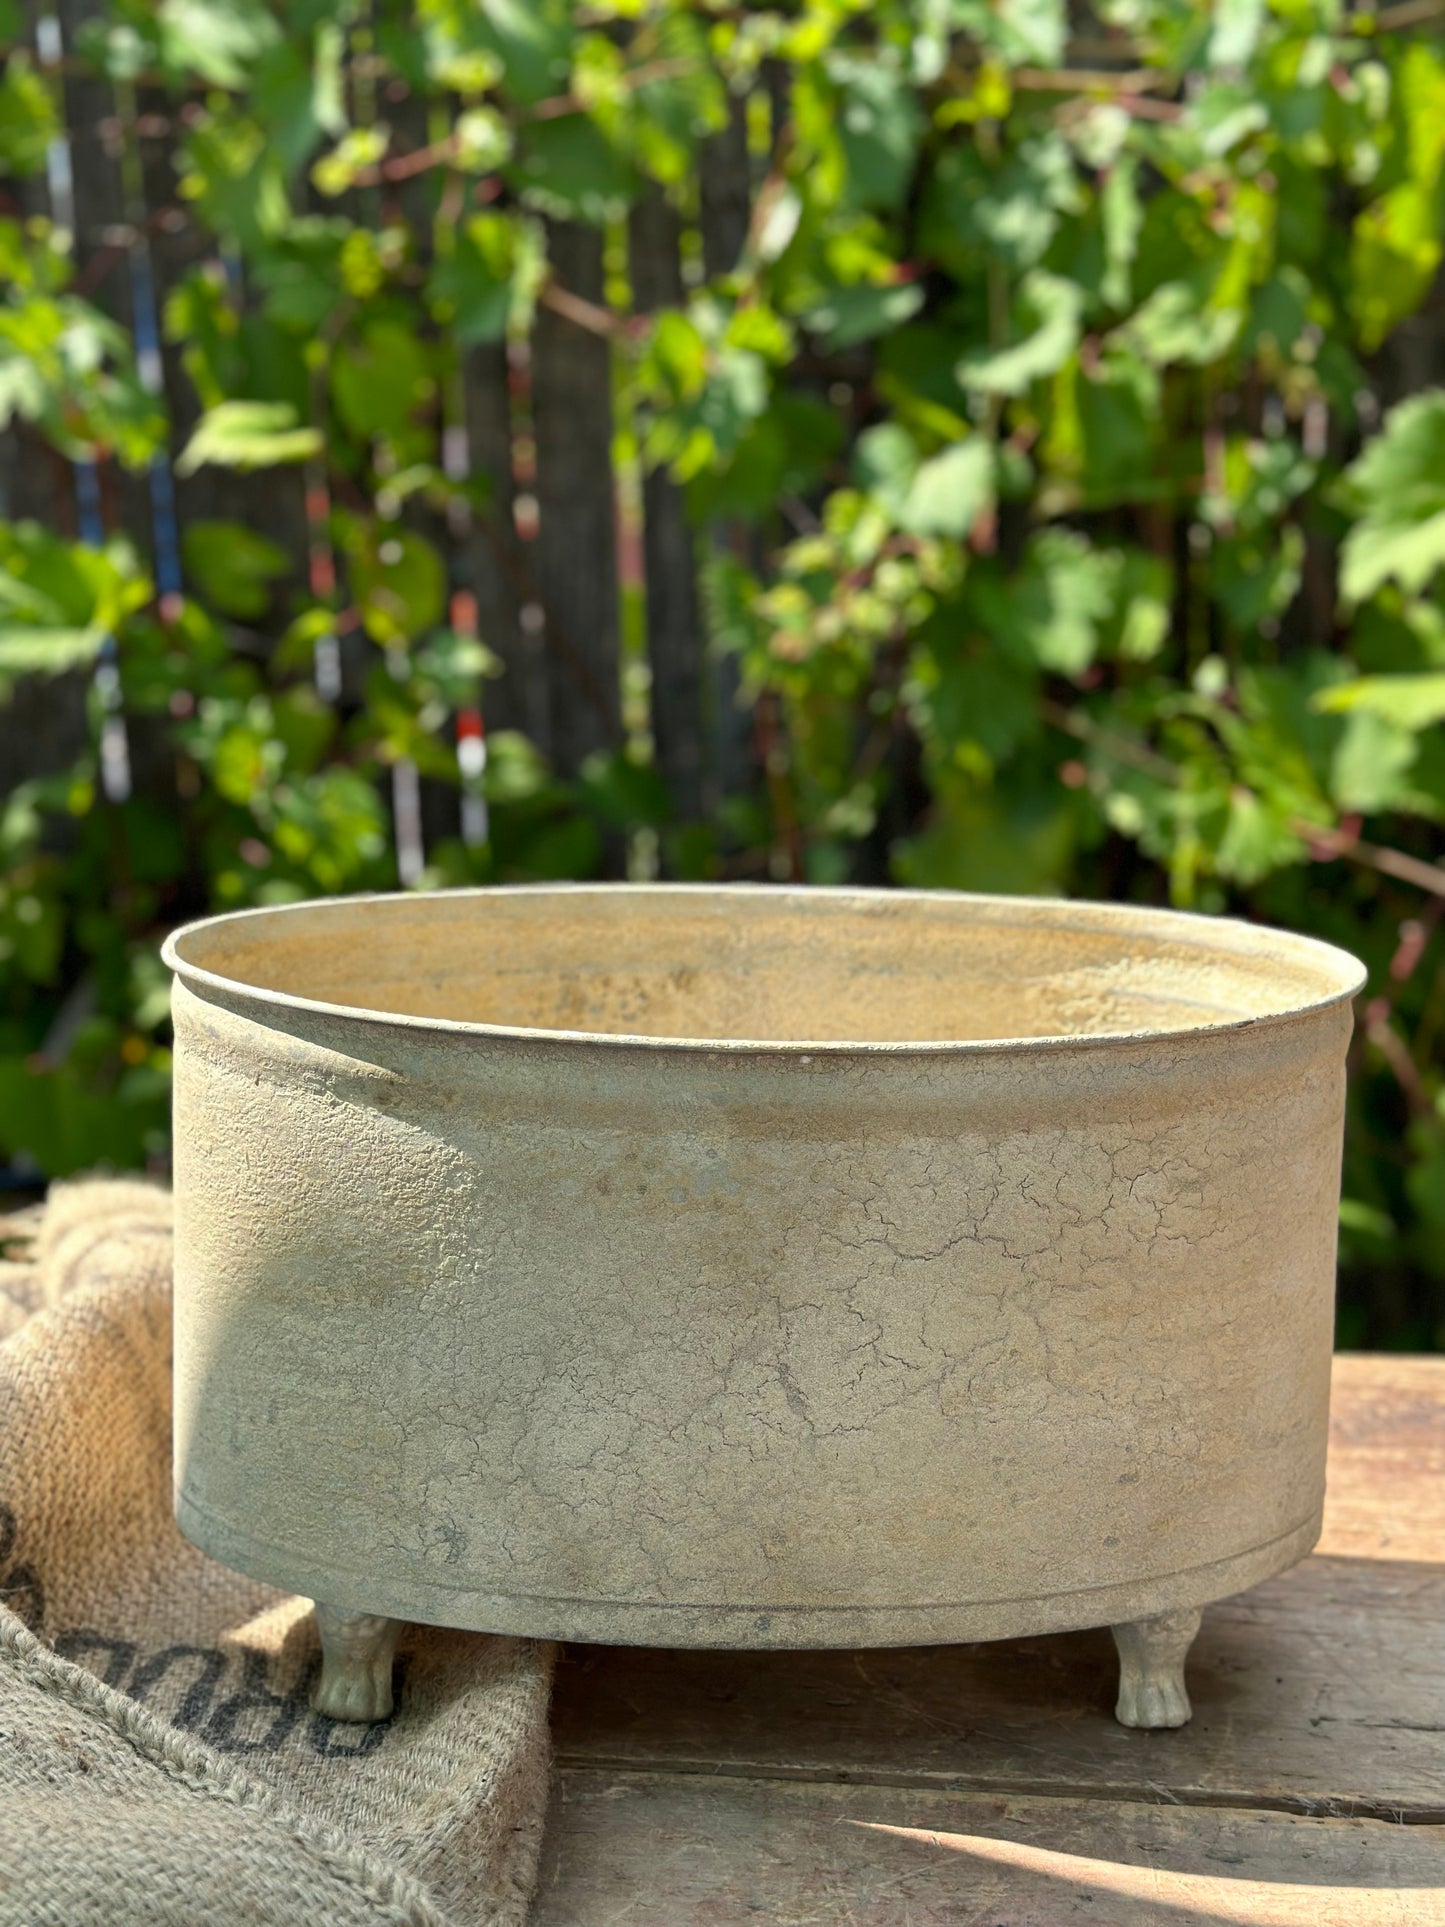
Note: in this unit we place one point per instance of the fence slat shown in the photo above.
(35, 483)
(576, 546)
(725, 192)
(495, 565)
(43, 719)
(270, 501)
(101, 254)
(674, 631)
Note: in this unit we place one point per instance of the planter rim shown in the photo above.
(1339, 975)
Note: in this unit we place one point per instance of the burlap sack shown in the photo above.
(159, 1764)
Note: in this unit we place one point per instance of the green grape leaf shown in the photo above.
(218, 40)
(566, 168)
(399, 581)
(879, 127)
(247, 435)
(1372, 763)
(1053, 306)
(380, 378)
(1179, 323)
(1395, 249)
(232, 567)
(491, 277)
(1404, 702)
(28, 121)
(846, 316)
(947, 494)
(1399, 485)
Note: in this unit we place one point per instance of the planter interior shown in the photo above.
(744, 966)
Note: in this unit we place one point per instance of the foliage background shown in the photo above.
(1064, 479)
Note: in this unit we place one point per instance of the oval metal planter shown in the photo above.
(754, 1267)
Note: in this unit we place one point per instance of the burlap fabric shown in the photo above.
(159, 1763)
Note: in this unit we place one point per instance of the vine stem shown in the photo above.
(1325, 844)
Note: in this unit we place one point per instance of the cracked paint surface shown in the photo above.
(756, 1347)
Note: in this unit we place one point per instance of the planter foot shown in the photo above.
(1151, 1669)
(357, 1650)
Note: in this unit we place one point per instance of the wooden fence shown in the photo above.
(541, 572)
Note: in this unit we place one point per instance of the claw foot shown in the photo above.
(357, 1650)
(1151, 1669)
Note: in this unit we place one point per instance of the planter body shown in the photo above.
(853, 1328)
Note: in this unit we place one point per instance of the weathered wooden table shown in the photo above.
(988, 1786)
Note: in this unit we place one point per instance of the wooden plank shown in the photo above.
(725, 210)
(1386, 1495)
(270, 502)
(491, 559)
(96, 179)
(659, 1851)
(33, 488)
(44, 727)
(576, 546)
(28, 473)
(44, 724)
(724, 192)
(1322, 1691)
(101, 228)
(674, 630)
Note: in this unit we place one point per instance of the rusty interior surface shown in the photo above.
(760, 965)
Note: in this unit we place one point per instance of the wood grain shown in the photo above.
(656, 1851)
(673, 628)
(575, 554)
(1386, 1491)
(725, 194)
(1323, 1691)
(491, 557)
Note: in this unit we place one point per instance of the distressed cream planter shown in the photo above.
(754, 1267)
